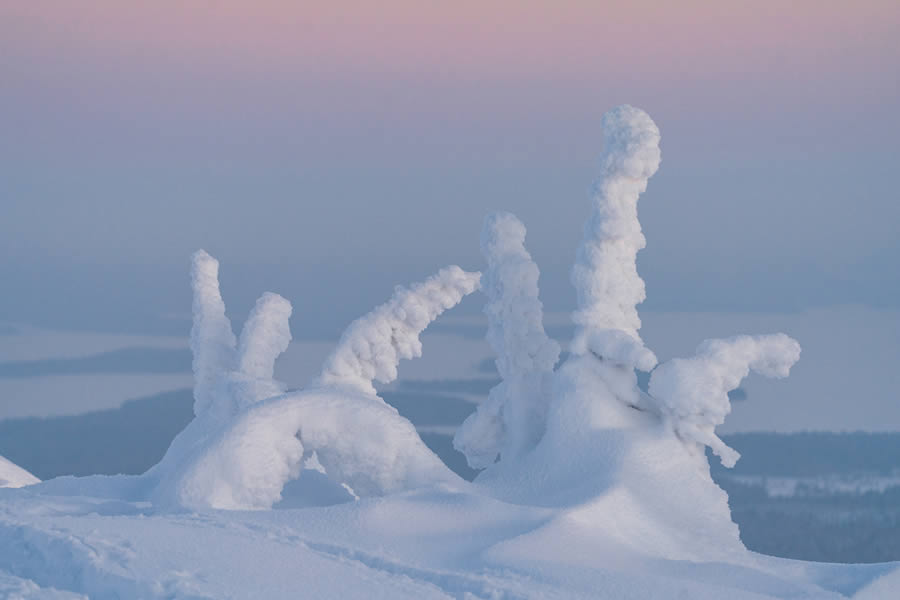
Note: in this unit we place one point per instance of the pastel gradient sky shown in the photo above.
(330, 150)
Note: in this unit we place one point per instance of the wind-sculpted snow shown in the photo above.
(265, 336)
(623, 464)
(371, 348)
(600, 490)
(605, 274)
(212, 340)
(511, 421)
(361, 443)
(14, 476)
(692, 393)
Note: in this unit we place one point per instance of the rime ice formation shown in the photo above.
(625, 462)
(212, 340)
(600, 490)
(14, 476)
(605, 274)
(265, 336)
(512, 419)
(252, 438)
(692, 393)
(371, 348)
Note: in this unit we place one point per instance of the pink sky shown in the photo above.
(467, 39)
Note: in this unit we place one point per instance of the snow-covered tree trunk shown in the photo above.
(605, 272)
(512, 419)
(212, 339)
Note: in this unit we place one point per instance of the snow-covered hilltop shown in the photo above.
(589, 486)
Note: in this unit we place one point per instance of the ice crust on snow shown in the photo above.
(512, 420)
(600, 489)
(14, 476)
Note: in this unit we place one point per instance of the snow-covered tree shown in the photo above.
(512, 419)
(605, 274)
(249, 437)
(229, 376)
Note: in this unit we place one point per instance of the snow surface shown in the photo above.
(14, 476)
(600, 490)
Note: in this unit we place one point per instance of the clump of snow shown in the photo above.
(692, 393)
(605, 274)
(371, 348)
(512, 420)
(14, 476)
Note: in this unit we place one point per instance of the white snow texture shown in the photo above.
(692, 393)
(512, 420)
(590, 488)
(373, 345)
(250, 438)
(14, 476)
(605, 274)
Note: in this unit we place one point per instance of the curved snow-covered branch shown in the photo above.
(372, 346)
(693, 392)
(513, 417)
(212, 339)
(361, 443)
(605, 272)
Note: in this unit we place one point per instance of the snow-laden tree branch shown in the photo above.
(605, 272)
(229, 376)
(265, 335)
(692, 393)
(513, 417)
(252, 437)
(212, 339)
(372, 346)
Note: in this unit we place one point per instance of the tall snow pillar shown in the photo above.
(605, 272)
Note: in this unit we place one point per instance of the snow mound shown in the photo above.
(605, 274)
(621, 464)
(14, 476)
(591, 487)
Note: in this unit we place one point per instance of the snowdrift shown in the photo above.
(14, 476)
(589, 487)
